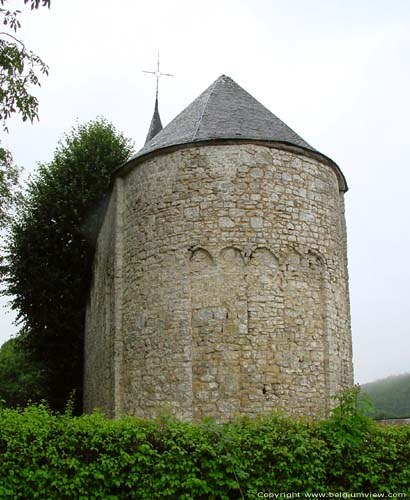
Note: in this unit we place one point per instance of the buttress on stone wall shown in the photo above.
(220, 287)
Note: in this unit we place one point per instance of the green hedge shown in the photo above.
(49, 456)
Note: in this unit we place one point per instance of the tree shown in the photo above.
(19, 71)
(21, 378)
(51, 247)
(9, 176)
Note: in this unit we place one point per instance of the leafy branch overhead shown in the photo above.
(18, 71)
(20, 68)
(11, 16)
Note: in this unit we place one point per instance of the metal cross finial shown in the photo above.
(158, 74)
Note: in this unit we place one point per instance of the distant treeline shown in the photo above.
(390, 396)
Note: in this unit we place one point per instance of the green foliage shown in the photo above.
(21, 379)
(9, 175)
(390, 396)
(44, 455)
(346, 433)
(51, 247)
(19, 72)
(19, 68)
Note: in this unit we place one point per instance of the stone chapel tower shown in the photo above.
(220, 276)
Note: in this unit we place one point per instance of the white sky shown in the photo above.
(337, 72)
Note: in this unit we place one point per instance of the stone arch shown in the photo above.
(292, 260)
(304, 321)
(216, 337)
(315, 260)
(200, 259)
(264, 325)
(231, 256)
(203, 272)
(262, 275)
(217, 317)
(232, 270)
(233, 291)
(264, 257)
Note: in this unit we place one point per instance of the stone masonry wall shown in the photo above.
(102, 349)
(232, 292)
(98, 376)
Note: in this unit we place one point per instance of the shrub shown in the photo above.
(57, 456)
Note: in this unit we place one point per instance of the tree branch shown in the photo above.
(13, 37)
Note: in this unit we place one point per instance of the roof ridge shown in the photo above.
(203, 110)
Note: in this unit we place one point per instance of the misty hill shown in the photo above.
(390, 396)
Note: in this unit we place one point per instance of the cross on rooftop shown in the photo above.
(158, 74)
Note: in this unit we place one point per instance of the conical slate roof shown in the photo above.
(226, 112)
(156, 125)
(223, 111)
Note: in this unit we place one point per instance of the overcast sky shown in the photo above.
(337, 72)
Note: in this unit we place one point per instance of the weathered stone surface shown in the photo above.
(220, 287)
